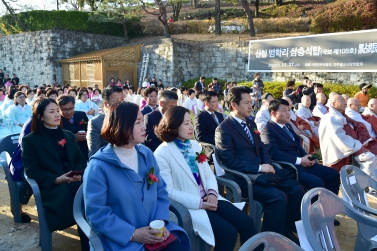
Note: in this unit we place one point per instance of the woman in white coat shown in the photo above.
(191, 182)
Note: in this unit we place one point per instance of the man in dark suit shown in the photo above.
(150, 94)
(208, 119)
(167, 100)
(200, 86)
(74, 121)
(283, 144)
(110, 95)
(241, 149)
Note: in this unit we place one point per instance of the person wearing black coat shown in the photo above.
(200, 86)
(49, 155)
(74, 121)
(208, 119)
(167, 100)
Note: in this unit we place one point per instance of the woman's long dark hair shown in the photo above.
(39, 108)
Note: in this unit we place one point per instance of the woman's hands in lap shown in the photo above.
(147, 235)
(210, 203)
(64, 179)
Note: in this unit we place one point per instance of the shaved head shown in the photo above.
(306, 101)
(354, 104)
(321, 98)
(332, 94)
(372, 105)
(338, 102)
(345, 96)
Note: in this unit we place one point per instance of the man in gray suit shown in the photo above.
(110, 95)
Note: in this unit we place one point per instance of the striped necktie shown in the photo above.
(289, 133)
(246, 129)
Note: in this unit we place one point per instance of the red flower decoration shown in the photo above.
(255, 130)
(151, 177)
(82, 122)
(62, 142)
(201, 157)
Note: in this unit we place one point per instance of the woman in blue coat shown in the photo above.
(121, 199)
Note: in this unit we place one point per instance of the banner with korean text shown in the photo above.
(332, 52)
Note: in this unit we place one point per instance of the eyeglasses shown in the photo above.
(21, 97)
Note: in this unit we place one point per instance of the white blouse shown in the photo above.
(86, 106)
(191, 105)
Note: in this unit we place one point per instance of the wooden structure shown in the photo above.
(98, 67)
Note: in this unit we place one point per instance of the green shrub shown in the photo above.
(285, 10)
(277, 88)
(346, 15)
(71, 20)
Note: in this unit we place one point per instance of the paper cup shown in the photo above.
(158, 225)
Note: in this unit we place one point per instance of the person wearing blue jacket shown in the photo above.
(123, 189)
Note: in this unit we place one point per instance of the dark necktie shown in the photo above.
(243, 124)
(214, 118)
(288, 132)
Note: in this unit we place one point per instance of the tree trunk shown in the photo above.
(278, 2)
(217, 18)
(176, 10)
(195, 4)
(57, 4)
(245, 6)
(162, 18)
(256, 8)
(126, 39)
(22, 24)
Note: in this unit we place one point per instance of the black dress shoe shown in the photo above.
(336, 222)
(290, 235)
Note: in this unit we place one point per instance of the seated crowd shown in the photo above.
(134, 152)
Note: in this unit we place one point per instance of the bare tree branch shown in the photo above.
(144, 7)
(22, 24)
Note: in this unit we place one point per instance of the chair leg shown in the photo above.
(15, 209)
(45, 240)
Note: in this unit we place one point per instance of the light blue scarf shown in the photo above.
(188, 154)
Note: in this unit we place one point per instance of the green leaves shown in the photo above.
(71, 20)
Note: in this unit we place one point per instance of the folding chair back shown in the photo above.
(271, 241)
(79, 215)
(318, 209)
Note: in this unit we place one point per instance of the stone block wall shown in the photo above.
(227, 61)
(34, 56)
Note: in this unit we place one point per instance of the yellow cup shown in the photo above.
(158, 225)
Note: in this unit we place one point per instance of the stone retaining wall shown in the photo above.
(34, 56)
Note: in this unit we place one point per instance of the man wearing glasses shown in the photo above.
(207, 121)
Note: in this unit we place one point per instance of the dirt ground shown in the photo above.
(20, 237)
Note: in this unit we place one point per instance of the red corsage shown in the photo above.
(62, 142)
(201, 157)
(82, 122)
(151, 177)
(255, 130)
